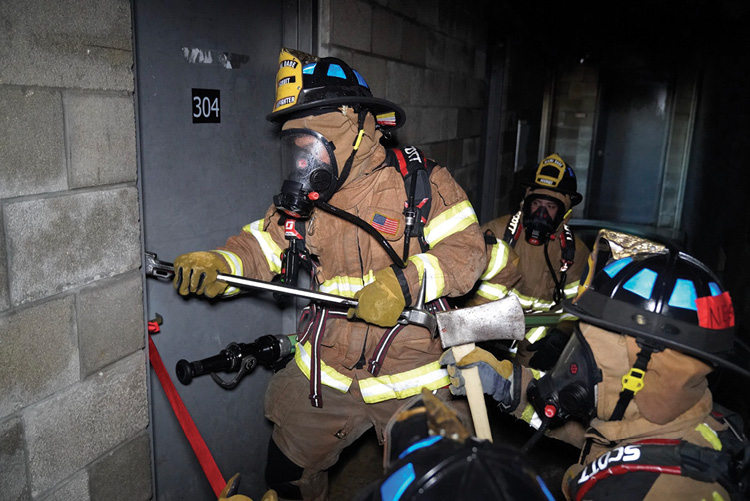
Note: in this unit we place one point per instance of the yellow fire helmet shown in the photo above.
(307, 83)
(553, 173)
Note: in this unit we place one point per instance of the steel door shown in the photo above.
(628, 159)
(208, 167)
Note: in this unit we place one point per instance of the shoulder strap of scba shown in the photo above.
(567, 241)
(415, 170)
(727, 467)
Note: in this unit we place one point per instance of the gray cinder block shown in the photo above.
(82, 44)
(386, 34)
(128, 465)
(414, 44)
(374, 71)
(39, 353)
(351, 24)
(4, 293)
(110, 321)
(64, 242)
(32, 148)
(435, 89)
(101, 136)
(398, 84)
(66, 432)
(74, 489)
(12, 461)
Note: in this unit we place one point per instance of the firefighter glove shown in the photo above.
(196, 272)
(496, 375)
(380, 302)
(229, 493)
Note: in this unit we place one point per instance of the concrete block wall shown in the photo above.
(572, 127)
(429, 57)
(73, 393)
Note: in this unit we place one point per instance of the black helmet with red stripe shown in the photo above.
(666, 300)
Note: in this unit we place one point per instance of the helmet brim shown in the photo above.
(375, 105)
(575, 197)
(624, 316)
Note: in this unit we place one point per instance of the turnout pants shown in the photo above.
(313, 438)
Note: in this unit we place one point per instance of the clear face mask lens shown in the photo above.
(308, 163)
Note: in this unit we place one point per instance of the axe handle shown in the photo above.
(474, 394)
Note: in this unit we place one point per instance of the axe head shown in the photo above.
(501, 319)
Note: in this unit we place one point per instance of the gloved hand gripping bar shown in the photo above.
(418, 315)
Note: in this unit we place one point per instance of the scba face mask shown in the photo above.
(539, 224)
(309, 169)
(568, 391)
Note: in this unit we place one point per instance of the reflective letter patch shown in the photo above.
(715, 312)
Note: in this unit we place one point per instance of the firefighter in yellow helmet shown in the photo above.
(652, 326)
(534, 255)
(341, 208)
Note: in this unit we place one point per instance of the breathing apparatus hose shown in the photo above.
(410, 214)
(559, 293)
(536, 436)
(363, 224)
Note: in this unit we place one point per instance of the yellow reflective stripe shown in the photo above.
(405, 384)
(532, 303)
(450, 221)
(436, 280)
(235, 268)
(717, 497)
(271, 251)
(568, 317)
(530, 416)
(710, 435)
(328, 376)
(346, 286)
(537, 374)
(535, 334)
(571, 289)
(498, 260)
(492, 291)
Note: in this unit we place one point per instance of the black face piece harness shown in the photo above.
(515, 229)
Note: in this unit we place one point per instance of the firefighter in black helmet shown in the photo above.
(534, 255)
(430, 455)
(342, 204)
(652, 326)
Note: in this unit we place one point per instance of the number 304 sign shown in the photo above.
(206, 107)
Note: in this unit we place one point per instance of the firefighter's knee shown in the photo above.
(281, 472)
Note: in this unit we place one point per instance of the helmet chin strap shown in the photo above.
(351, 217)
(632, 382)
(355, 147)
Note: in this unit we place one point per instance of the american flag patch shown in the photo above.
(385, 224)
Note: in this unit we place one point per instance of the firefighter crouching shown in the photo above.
(652, 327)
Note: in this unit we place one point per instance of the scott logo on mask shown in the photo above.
(625, 454)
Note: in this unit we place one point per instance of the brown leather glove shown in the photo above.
(229, 493)
(495, 374)
(380, 302)
(196, 272)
